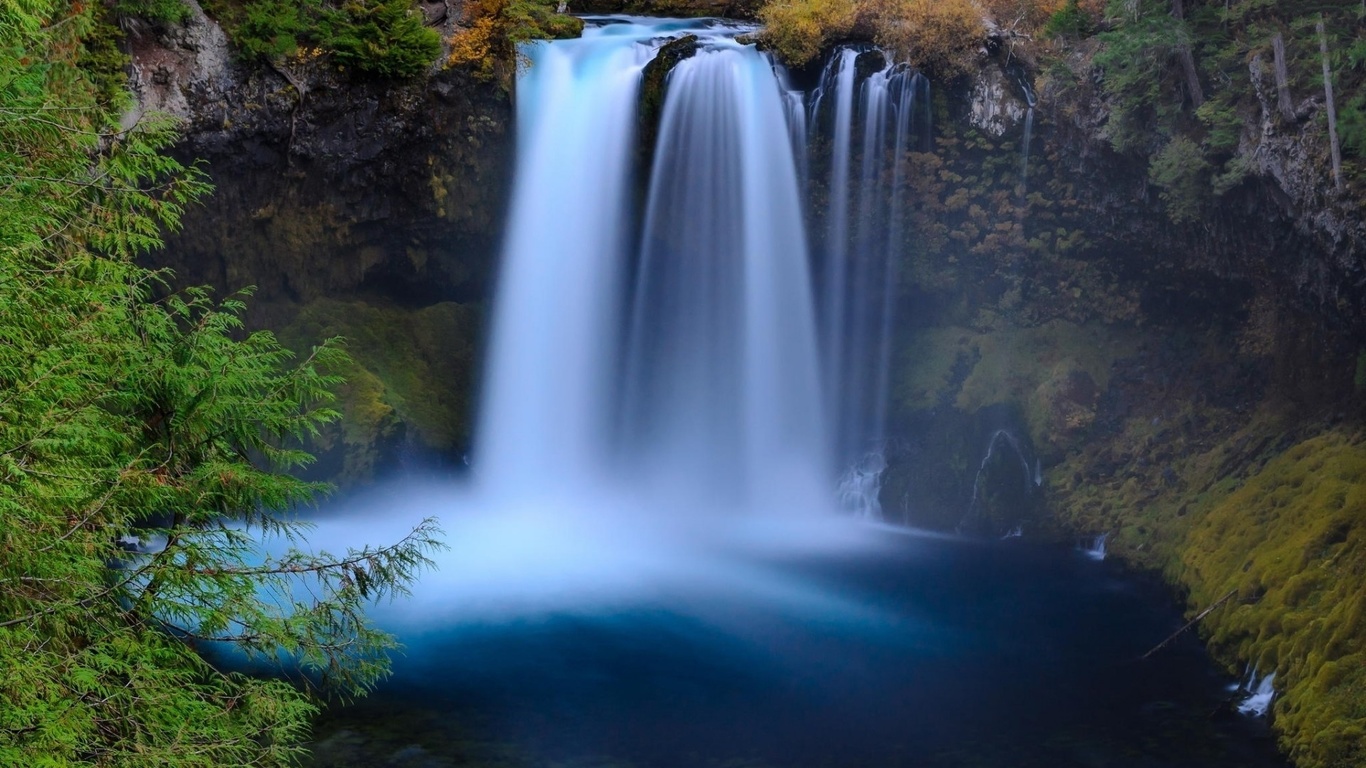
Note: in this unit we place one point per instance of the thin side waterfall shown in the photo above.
(838, 82)
(1030, 101)
(870, 125)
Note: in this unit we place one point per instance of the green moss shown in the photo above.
(412, 375)
(1292, 542)
(1053, 372)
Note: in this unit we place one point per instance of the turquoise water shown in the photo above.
(922, 652)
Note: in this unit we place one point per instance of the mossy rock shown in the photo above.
(1291, 543)
(1055, 373)
(654, 78)
(410, 384)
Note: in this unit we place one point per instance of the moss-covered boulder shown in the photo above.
(409, 388)
(654, 79)
(1054, 374)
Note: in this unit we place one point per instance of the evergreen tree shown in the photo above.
(129, 413)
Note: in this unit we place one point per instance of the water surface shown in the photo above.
(913, 651)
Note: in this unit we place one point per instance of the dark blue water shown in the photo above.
(929, 652)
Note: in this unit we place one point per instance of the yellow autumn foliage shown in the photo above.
(937, 35)
(940, 35)
(798, 30)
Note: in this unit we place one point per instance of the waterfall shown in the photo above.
(1260, 692)
(1094, 547)
(1030, 101)
(860, 487)
(545, 412)
(723, 387)
(870, 124)
(683, 367)
(652, 417)
(1002, 435)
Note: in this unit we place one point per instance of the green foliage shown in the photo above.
(166, 11)
(1224, 125)
(527, 20)
(1138, 62)
(129, 412)
(1068, 21)
(1182, 172)
(272, 29)
(381, 37)
(102, 61)
(1352, 125)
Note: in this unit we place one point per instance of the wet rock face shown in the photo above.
(1290, 154)
(325, 186)
(366, 209)
(994, 105)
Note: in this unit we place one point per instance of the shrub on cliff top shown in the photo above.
(797, 30)
(494, 28)
(380, 37)
(938, 35)
(386, 38)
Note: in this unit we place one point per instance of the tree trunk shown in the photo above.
(1183, 52)
(1283, 101)
(1332, 109)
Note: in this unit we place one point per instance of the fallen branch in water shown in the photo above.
(1189, 624)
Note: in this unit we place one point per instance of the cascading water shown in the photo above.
(720, 378)
(545, 422)
(1030, 101)
(652, 413)
(870, 124)
(722, 381)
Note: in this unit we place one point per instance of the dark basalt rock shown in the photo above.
(867, 63)
(327, 186)
(370, 209)
(655, 77)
